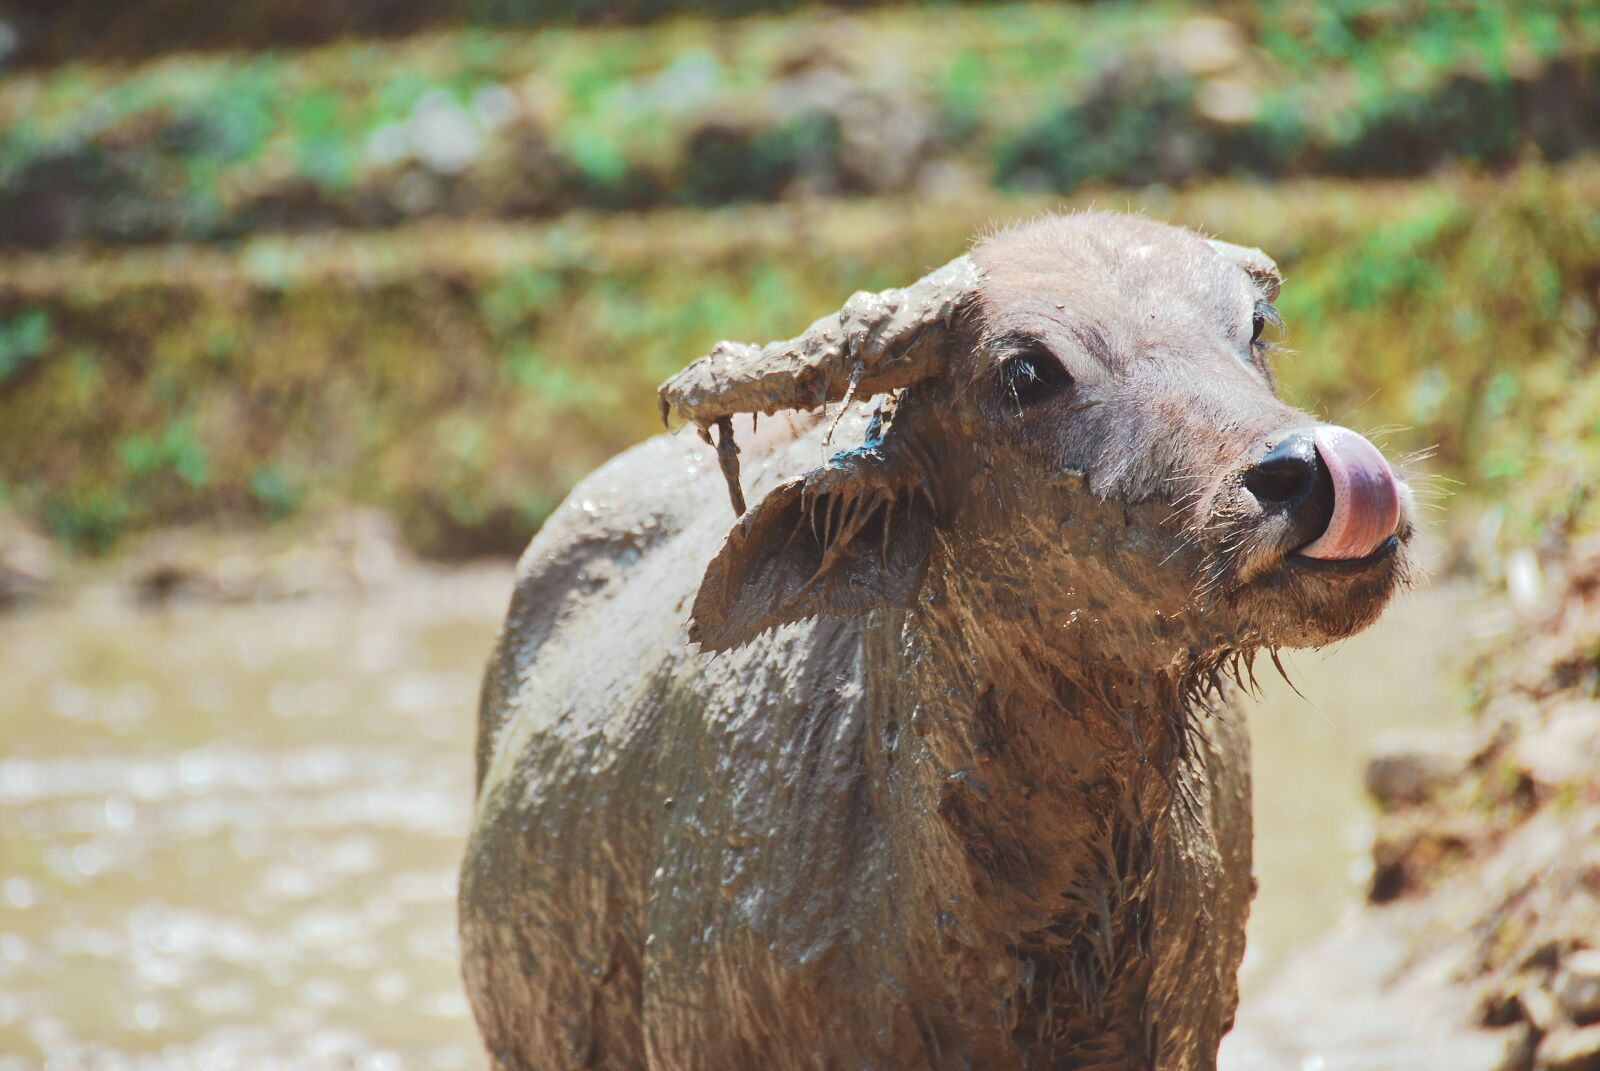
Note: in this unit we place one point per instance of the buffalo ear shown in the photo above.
(1256, 264)
(837, 542)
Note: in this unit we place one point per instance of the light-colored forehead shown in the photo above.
(1108, 268)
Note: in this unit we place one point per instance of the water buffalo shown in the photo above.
(925, 763)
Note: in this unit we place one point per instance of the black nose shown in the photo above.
(1288, 474)
(1294, 488)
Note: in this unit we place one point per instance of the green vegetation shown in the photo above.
(79, 28)
(1336, 29)
(472, 123)
(444, 273)
(463, 375)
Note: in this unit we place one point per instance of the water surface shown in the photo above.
(229, 834)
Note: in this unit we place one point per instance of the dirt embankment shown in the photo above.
(1479, 949)
(1504, 851)
(463, 378)
(338, 552)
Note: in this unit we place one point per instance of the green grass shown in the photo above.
(463, 375)
(1026, 96)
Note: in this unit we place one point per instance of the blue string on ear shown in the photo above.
(868, 448)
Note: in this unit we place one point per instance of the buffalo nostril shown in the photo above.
(1287, 473)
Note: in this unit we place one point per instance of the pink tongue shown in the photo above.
(1366, 499)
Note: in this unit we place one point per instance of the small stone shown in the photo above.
(1408, 768)
(1565, 749)
(1524, 580)
(444, 135)
(1519, 1045)
(27, 562)
(1499, 1008)
(1540, 1007)
(1570, 1050)
(1228, 101)
(1577, 987)
(1207, 45)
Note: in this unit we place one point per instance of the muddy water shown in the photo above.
(228, 835)
(1314, 823)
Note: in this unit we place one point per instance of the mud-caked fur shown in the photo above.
(924, 761)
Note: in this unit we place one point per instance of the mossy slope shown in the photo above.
(464, 375)
(521, 125)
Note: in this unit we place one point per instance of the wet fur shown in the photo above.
(946, 777)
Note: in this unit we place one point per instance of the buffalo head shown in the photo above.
(1080, 446)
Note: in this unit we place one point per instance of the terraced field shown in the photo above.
(442, 273)
(895, 101)
(462, 374)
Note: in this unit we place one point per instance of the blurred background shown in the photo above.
(311, 312)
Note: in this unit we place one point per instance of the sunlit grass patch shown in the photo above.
(1029, 97)
(464, 375)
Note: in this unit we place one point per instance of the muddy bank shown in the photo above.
(1480, 945)
(345, 552)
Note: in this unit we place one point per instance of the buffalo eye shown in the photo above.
(1264, 314)
(1032, 375)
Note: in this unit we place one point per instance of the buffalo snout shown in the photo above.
(1337, 495)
